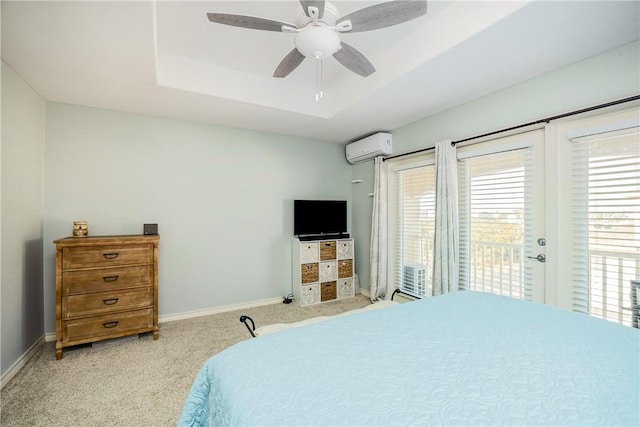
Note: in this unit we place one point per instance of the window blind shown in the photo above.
(495, 199)
(606, 221)
(415, 230)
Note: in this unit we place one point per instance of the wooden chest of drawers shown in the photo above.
(106, 287)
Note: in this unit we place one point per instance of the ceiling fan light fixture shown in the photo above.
(317, 25)
(317, 39)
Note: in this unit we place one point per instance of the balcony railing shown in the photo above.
(493, 267)
(497, 268)
(610, 275)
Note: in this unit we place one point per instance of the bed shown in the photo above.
(465, 358)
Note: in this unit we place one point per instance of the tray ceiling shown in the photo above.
(165, 58)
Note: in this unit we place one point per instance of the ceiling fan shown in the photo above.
(317, 25)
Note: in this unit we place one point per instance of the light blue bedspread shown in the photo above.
(461, 359)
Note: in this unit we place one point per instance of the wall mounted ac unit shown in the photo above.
(379, 144)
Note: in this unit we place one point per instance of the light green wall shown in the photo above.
(607, 77)
(22, 154)
(223, 199)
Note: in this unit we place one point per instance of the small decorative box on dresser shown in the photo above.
(106, 287)
(323, 270)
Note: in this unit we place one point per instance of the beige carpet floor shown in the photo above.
(134, 381)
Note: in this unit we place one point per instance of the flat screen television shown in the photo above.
(319, 217)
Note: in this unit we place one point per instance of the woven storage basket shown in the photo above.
(345, 268)
(309, 272)
(328, 291)
(327, 251)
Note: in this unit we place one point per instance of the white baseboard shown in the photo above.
(51, 336)
(216, 310)
(15, 368)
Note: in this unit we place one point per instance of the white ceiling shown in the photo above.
(165, 58)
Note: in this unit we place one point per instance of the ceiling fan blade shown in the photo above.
(313, 3)
(355, 61)
(383, 15)
(247, 22)
(288, 64)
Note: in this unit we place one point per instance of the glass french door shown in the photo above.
(412, 225)
(598, 214)
(501, 206)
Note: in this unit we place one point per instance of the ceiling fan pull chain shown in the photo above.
(319, 93)
(321, 75)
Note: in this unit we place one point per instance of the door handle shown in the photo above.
(539, 257)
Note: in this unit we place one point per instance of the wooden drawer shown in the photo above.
(345, 268)
(106, 279)
(327, 250)
(309, 272)
(106, 302)
(106, 256)
(328, 291)
(112, 325)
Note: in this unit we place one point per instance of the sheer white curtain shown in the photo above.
(445, 262)
(378, 250)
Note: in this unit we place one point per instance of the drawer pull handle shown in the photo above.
(110, 278)
(110, 325)
(110, 301)
(112, 255)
